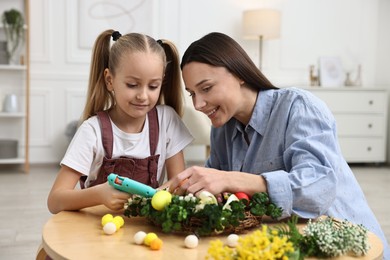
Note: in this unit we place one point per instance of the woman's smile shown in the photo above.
(211, 114)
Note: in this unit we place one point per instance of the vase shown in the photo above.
(3, 53)
(348, 82)
(13, 51)
(10, 103)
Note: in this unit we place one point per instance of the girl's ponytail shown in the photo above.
(171, 89)
(98, 97)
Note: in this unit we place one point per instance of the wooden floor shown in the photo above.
(23, 205)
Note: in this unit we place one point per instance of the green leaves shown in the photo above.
(186, 213)
(331, 238)
(13, 23)
(261, 205)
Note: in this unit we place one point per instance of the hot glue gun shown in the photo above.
(130, 186)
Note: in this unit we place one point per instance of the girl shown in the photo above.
(264, 139)
(126, 129)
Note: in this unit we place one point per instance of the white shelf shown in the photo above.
(12, 161)
(12, 115)
(16, 125)
(24, 26)
(12, 67)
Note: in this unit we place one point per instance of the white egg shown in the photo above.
(109, 228)
(191, 241)
(232, 240)
(207, 197)
(139, 237)
(230, 200)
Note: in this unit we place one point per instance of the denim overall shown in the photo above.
(141, 170)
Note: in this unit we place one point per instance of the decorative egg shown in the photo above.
(109, 228)
(139, 237)
(232, 240)
(230, 200)
(191, 241)
(161, 199)
(242, 196)
(207, 198)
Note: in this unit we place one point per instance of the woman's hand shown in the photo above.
(111, 197)
(196, 179)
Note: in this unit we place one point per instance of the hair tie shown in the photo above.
(116, 35)
(160, 42)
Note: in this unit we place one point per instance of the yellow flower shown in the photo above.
(218, 251)
(261, 244)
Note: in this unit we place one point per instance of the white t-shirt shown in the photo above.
(85, 152)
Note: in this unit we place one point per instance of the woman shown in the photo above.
(264, 139)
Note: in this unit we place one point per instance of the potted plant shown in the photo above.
(13, 23)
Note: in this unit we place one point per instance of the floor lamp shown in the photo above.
(261, 24)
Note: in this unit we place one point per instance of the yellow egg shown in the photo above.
(161, 199)
(107, 218)
(120, 220)
(149, 238)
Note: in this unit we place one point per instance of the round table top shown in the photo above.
(79, 235)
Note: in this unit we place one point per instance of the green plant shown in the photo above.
(323, 238)
(326, 237)
(189, 214)
(263, 243)
(13, 23)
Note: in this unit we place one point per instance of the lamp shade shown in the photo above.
(261, 22)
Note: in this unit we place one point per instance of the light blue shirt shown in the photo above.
(293, 145)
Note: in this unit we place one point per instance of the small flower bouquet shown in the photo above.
(263, 243)
(203, 215)
(323, 238)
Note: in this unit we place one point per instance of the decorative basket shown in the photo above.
(188, 215)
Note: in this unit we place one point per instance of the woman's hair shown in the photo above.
(104, 56)
(219, 50)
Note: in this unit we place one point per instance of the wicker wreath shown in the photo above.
(183, 215)
(191, 227)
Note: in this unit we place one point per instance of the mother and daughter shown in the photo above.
(263, 139)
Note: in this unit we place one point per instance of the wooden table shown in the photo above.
(79, 235)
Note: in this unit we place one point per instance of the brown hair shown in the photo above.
(106, 56)
(219, 50)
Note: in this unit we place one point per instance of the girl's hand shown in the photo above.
(165, 185)
(196, 179)
(111, 197)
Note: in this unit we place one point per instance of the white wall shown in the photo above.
(355, 30)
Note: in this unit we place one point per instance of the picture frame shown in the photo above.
(331, 72)
(122, 15)
(86, 19)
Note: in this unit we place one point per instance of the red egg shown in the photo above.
(242, 195)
